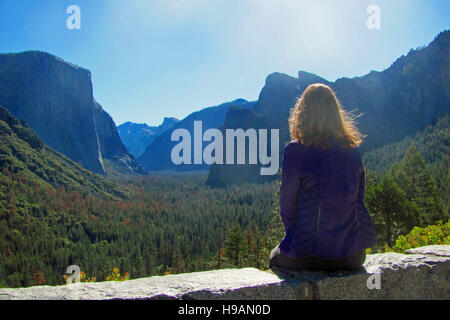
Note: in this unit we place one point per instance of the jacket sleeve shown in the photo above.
(362, 188)
(290, 183)
(368, 233)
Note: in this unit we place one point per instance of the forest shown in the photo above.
(174, 223)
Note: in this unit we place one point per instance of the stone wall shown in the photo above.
(422, 273)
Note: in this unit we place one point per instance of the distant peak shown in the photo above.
(443, 36)
(45, 55)
(278, 77)
(308, 77)
(170, 119)
(168, 123)
(240, 101)
(125, 124)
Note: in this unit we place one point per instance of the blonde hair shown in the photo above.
(318, 118)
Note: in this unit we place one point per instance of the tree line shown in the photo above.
(412, 194)
(175, 223)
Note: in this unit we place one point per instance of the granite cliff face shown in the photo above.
(280, 93)
(397, 102)
(269, 112)
(138, 136)
(55, 99)
(23, 153)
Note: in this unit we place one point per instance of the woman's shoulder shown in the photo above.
(293, 145)
(353, 155)
(293, 150)
(354, 151)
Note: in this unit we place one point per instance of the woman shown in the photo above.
(327, 226)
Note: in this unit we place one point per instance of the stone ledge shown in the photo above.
(246, 283)
(422, 273)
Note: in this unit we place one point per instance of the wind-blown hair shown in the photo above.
(317, 119)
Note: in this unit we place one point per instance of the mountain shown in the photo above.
(240, 118)
(413, 93)
(433, 143)
(25, 156)
(55, 99)
(271, 111)
(157, 156)
(138, 136)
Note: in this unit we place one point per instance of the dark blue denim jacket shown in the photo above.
(322, 203)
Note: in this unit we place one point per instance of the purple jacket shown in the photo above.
(322, 203)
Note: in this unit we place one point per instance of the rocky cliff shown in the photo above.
(24, 154)
(422, 273)
(55, 98)
(411, 94)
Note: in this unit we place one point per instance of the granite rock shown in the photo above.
(422, 273)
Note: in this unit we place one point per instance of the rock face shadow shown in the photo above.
(312, 275)
(304, 282)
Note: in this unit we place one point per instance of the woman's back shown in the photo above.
(322, 188)
(322, 202)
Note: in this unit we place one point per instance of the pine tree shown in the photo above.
(442, 178)
(234, 245)
(38, 278)
(259, 251)
(414, 178)
(220, 257)
(371, 179)
(392, 213)
(178, 263)
(275, 229)
(249, 246)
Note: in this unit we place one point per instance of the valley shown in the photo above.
(77, 190)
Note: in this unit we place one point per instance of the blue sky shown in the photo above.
(156, 58)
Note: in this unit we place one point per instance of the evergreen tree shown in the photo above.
(234, 245)
(392, 213)
(249, 246)
(275, 229)
(413, 176)
(178, 263)
(371, 179)
(220, 257)
(441, 175)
